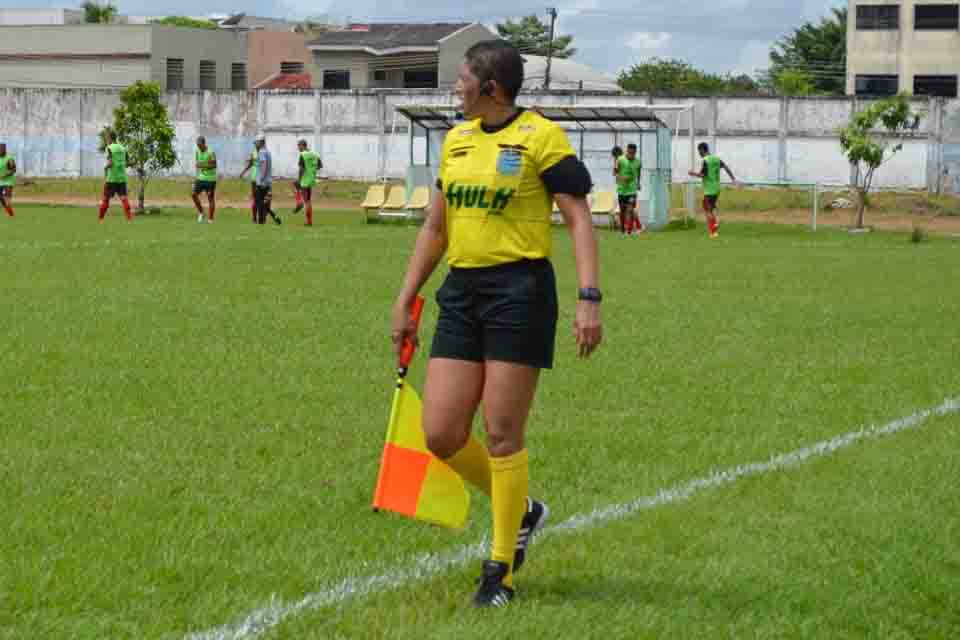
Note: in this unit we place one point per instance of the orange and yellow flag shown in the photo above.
(412, 481)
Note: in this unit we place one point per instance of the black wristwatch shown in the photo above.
(590, 294)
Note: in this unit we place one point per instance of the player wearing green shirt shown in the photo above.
(626, 170)
(116, 174)
(306, 179)
(8, 178)
(206, 182)
(710, 174)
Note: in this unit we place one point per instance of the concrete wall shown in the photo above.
(40, 16)
(267, 49)
(53, 132)
(356, 63)
(194, 45)
(452, 48)
(905, 52)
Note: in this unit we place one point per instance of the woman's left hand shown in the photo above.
(588, 329)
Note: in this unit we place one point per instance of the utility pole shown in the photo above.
(552, 12)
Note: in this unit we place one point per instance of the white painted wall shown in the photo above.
(53, 133)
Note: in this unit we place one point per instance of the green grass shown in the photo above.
(776, 199)
(192, 415)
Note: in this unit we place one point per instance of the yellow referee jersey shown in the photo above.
(498, 207)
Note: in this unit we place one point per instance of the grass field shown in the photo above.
(192, 417)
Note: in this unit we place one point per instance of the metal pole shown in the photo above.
(552, 12)
(816, 202)
(691, 205)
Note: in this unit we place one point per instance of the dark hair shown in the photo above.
(632, 146)
(617, 152)
(201, 139)
(499, 61)
(703, 146)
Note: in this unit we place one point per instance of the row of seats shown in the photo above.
(396, 199)
(379, 198)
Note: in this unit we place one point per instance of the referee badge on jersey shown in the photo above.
(509, 162)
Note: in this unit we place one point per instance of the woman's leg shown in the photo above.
(508, 393)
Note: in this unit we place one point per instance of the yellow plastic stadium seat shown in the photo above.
(420, 199)
(603, 202)
(397, 199)
(376, 195)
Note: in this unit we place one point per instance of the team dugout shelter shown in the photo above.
(593, 131)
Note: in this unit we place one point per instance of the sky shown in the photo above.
(610, 35)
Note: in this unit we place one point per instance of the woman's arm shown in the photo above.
(429, 249)
(576, 214)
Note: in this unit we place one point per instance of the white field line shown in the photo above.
(427, 566)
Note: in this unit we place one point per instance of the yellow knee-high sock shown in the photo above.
(510, 482)
(473, 464)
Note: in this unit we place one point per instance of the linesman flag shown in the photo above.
(412, 481)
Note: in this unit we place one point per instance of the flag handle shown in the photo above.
(409, 347)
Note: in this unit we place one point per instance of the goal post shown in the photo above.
(758, 196)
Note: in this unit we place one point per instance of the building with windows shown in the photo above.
(117, 55)
(393, 55)
(903, 46)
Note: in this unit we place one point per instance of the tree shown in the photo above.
(532, 36)
(96, 13)
(142, 124)
(676, 77)
(184, 21)
(790, 82)
(872, 137)
(820, 50)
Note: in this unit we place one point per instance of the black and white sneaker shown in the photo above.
(492, 591)
(533, 521)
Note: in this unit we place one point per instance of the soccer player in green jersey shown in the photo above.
(8, 178)
(116, 172)
(627, 173)
(206, 181)
(306, 179)
(710, 174)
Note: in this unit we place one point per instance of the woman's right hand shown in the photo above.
(403, 326)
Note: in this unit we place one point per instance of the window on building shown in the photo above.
(945, 86)
(420, 79)
(876, 85)
(336, 80)
(936, 17)
(208, 75)
(380, 75)
(174, 74)
(875, 17)
(291, 67)
(238, 76)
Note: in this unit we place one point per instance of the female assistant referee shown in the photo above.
(500, 172)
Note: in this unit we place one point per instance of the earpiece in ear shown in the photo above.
(486, 89)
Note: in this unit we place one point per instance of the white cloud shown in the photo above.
(648, 43)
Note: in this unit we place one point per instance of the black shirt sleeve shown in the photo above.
(568, 177)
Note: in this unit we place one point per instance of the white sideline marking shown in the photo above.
(428, 566)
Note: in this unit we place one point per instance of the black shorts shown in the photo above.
(627, 201)
(6, 192)
(710, 202)
(506, 313)
(202, 186)
(111, 189)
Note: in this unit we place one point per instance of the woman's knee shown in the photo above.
(445, 443)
